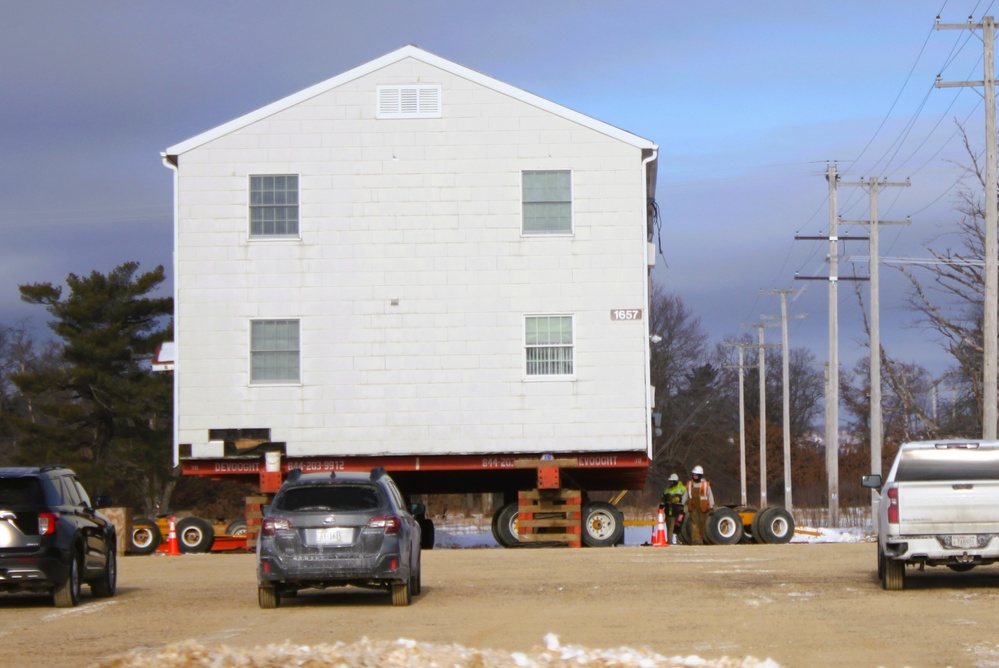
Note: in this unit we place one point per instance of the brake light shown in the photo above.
(390, 523)
(47, 523)
(892, 495)
(271, 525)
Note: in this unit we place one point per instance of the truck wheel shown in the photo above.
(506, 525)
(195, 535)
(776, 526)
(268, 597)
(236, 528)
(894, 579)
(724, 527)
(603, 524)
(754, 527)
(881, 564)
(427, 533)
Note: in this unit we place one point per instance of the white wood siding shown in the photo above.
(426, 212)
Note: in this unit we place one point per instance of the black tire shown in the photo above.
(881, 564)
(268, 597)
(894, 575)
(67, 594)
(146, 536)
(603, 524)
(684, 535)
(724, 527)
(776, 526)
(495, 531)
(415, 583)
(107, 584)
(506, 525)
(400, 594)
(194, 535)
(236, 528)
(754, 527)
(427, 533)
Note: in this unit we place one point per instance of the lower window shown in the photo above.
(275, 351)
(548, 342)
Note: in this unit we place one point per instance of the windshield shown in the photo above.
(20, 492)
(332, 498)
(948, 464)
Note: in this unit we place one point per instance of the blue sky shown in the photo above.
(747, 101)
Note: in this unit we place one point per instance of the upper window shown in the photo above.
(549, 345)
(410, 101)
(275, 352)
(274, 205)
(547, 199)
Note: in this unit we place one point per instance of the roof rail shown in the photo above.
(332, 475)
(377, 472)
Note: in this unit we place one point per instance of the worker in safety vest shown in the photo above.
(671, 503)
(699, 500)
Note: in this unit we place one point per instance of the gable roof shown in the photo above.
(409, 51)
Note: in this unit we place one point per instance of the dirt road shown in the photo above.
(800, 605)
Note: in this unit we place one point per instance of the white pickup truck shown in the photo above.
(939, 506)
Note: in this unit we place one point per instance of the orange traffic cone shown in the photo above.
(659, 537)
(173, 548)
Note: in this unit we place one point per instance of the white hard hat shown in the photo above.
(674, 478)
(697, 470)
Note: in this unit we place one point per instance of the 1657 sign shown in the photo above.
(626, 314)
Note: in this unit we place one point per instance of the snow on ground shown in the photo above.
(410, 653)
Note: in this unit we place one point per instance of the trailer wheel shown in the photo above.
(427, 533)
(894, 575)
(603, 524)
(146, 536)
(776, 526)
(724, 527)
(195, 535)
(506, 531)
(236, 528)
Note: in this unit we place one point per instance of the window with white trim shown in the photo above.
(547, 200)
(409, 101)
(274, 205)
(548, 345)
(275, 351)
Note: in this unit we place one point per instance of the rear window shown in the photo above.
(948, 464)
(20, 492)
(334, 498)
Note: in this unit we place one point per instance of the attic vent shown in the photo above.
(409, 102)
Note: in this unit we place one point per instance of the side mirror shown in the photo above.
(417, 509)
(103, 501)
(872, 481)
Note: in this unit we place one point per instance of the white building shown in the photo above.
(412, 258)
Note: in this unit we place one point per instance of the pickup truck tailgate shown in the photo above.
(948, 507)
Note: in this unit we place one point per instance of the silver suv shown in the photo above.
(335, 529)
(52, 539)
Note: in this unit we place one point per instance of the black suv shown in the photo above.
(51, 538)
(335, 529)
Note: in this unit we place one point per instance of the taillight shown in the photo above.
(47, 523)
(892, 495)
(390, 523)
(271, 525)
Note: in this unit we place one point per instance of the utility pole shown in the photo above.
(762, 367)
(742, 418)
(786, 373)
(877, 430)
(832, 376)
(990, 344)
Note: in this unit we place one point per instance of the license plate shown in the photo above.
(331, 536)
(964, 541)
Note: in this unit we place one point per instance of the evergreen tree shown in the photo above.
(101, 408)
